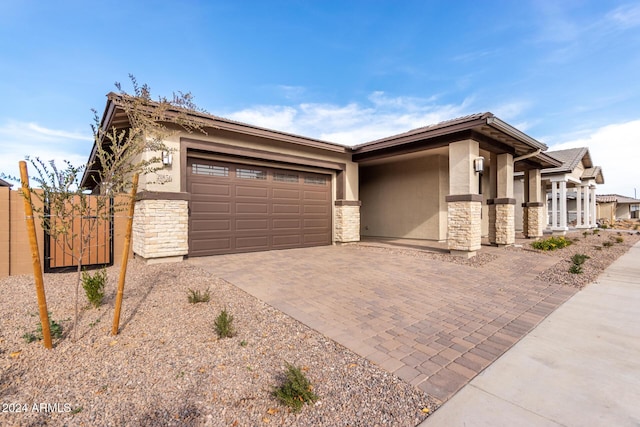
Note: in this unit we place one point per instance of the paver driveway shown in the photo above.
(433, 323)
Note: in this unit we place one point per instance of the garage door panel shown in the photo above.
(288, 241)
(250, 191)
(316, 195)
(252, 224)
(213, 244)
(252, 208)
(287, 194)
(252, 243)
(280, 224)
(211, 224)
(281, 208)
(199, 207)
(206, 188)
(316, 209)
(315, 238)
(241, 208)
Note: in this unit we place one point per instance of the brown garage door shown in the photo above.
(244, 208)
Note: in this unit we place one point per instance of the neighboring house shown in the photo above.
(570, 190)
(612, 207)
(244, 188)
(4, 183)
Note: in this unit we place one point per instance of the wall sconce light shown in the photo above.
(478, 164)
(167, 158)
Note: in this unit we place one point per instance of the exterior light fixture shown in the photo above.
(167, 158)
(478, 164)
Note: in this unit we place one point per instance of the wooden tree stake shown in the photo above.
(35, 256)
(125, 257)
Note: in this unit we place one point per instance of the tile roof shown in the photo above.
(610, 198)
(570, 158)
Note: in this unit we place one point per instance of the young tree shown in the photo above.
(120, 153)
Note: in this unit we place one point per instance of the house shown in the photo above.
(246, 188)
(612, 207)
(569, 190)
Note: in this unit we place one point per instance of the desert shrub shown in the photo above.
(607, 244)
(224, 325)
(296, 390)
(619, 239)
(579, 259)
(595, 231)
(585, 233)
(575, 269)
(36, 335)
(196, 296)
(551, 244)
(604, 226)
(94, 286)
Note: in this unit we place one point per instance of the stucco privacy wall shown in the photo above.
(405, 198)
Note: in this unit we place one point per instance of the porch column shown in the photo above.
(533, 208)
(578, 206)
(464, 204)
(594, 222)
(504, 201)
(554, 205)
(563, 205)
(492, 194)
(587, 208)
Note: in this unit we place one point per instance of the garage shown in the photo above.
(243, 208)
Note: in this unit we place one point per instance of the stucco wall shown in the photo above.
(405, 199)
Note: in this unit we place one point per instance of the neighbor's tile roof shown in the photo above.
(570, 158)
(610, 198)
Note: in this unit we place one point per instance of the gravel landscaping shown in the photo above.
(602, 248)
(167, 366)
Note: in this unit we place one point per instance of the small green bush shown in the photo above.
(604, 226)
(595, 231)
(224, 325)
(579, 259)
(551, 244)
(94, 286)
(607, 244)
(575, 269)
(54, 327)
(619, 239)
(196, 296)
(585, 233)
(296, 390)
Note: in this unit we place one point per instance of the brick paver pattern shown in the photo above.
(435, 324)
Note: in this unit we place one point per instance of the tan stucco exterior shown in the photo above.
(405, 198)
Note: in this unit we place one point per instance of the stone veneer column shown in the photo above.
(161, 226)
(504, 203)
(464, 204)
(347, 221)
(533, 211)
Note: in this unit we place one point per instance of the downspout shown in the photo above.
(528, 155)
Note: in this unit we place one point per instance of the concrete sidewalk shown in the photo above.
(579, 367)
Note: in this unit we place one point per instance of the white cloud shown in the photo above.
(616, 148)
(21, 139)
(626, 16)
(353, 123)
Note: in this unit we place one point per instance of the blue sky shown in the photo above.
(565, 72)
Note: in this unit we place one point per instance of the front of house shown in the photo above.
(242, 188)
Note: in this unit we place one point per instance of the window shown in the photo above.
(251, 174)
(199, 169)
(315, 180)
(285, 177)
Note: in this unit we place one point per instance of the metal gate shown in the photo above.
(62, 254)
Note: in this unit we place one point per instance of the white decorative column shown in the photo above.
(563, 205)
(554, 205)
(593, 206)
(587, 208)
(578, 206)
